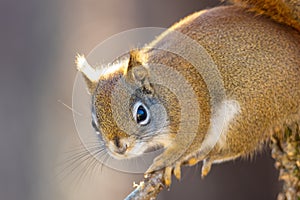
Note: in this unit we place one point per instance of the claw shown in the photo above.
(192, 161)
(177, 171)
(205, 167)
(168, 176)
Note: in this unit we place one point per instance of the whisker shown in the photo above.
(105, 159)
(71, 162)
(85, 162)
(74, 162)
(77, 156)
(96, 162)
(69, 107)
(85, 169)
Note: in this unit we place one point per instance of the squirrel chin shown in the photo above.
(137, 150)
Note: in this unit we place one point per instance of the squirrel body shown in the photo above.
(258, 63)
(254, 67)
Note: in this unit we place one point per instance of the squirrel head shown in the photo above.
(132, 115)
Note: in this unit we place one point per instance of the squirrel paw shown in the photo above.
(158, 164)
(168, 159)
(168, 171)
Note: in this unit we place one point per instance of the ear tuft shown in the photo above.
(91, 75)
(134, 59)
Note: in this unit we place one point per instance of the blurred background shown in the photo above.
(41, 157)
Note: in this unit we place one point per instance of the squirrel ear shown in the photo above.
(135, 59)
(136, 72)
(91, 75)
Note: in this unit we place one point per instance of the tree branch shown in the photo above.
(149, 188)
(285, 146)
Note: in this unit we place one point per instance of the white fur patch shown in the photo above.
(84, 67)
(139, 147)
(224, 115)
(112, 68)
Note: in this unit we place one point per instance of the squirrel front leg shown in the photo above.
(170, 161)
(213, 147)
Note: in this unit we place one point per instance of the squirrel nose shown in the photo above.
(121, 147)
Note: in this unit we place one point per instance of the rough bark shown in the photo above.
(149, 188)
(285, 146)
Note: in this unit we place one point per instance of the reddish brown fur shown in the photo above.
(282, 11)
(259, 61)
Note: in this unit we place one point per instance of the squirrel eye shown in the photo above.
(141, 114)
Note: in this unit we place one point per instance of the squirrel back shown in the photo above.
(282, 11)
